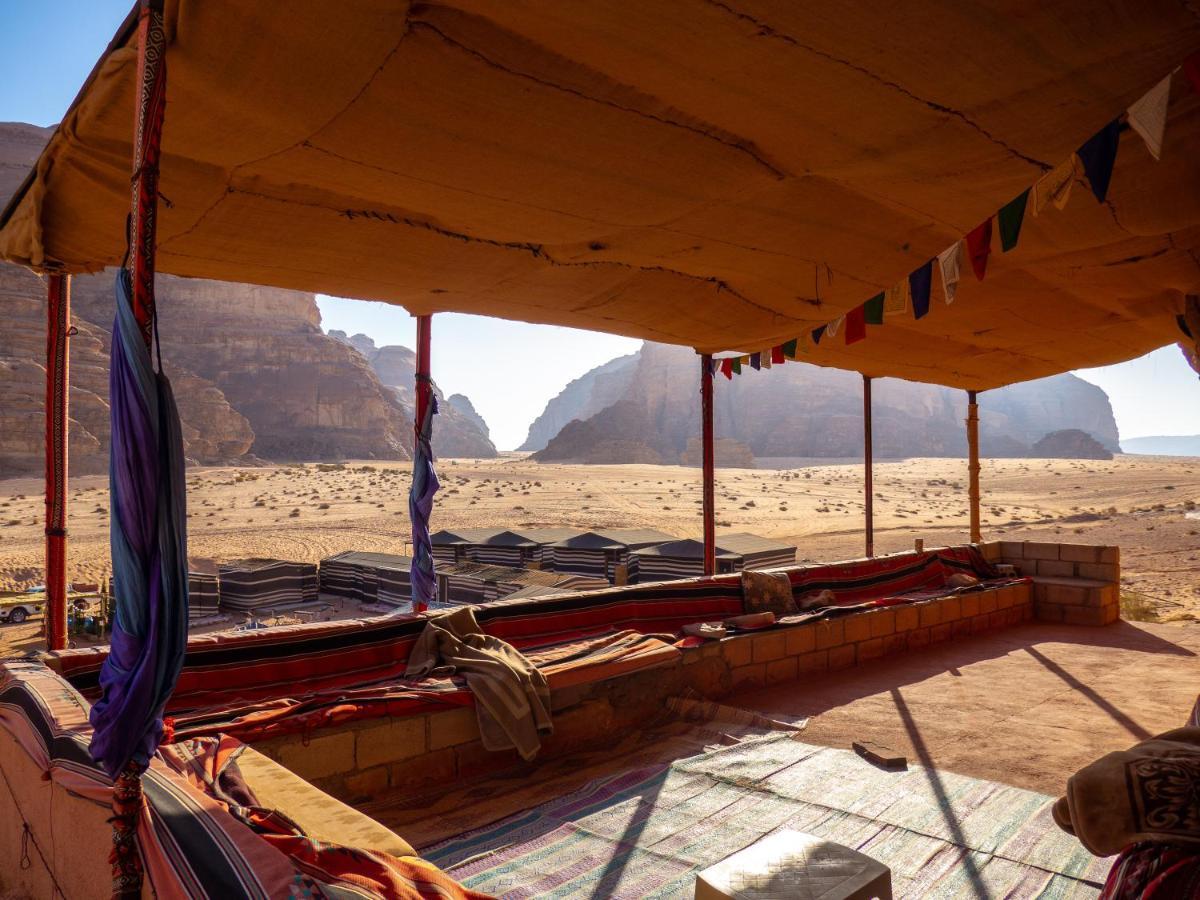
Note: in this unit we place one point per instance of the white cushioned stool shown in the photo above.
(796, 865)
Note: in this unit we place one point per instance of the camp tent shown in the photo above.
(366, 577)
(601, 553)
(685, 559)
(473, 582)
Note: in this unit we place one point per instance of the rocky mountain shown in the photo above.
(1163, 445)
(254, 374)
(800, 410)
(458, 431)
(581, 399)
(1070, 443)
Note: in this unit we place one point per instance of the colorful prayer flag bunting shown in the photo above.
(873, 310)
(727, 368)
(950, 262)
(834, 327)
(1055, 186)
(1010, 217)
(920, 281)
(755, 362)
(1098, 155)
(789, 348)
(737, 365)
(817, 334)
(895, 299)
(979, 245)
(1191, 68)
(764, 357)
(1148, 116)
(777, 354)
(856, 325)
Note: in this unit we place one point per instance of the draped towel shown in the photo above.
(148, 534)
(420, 504)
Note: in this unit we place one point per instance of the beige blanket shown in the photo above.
(1150, 792)
(512, 699)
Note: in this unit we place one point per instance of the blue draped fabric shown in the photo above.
(148, 535)
(420, 505)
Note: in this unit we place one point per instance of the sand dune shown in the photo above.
(1149, 506)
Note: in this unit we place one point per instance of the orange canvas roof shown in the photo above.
(719, 175)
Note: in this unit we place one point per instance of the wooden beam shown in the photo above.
(868, 466)
(709, 464)
(973, 462)
(58, 387)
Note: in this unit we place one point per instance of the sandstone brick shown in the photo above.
(1099, 571)
(1005, 597)
(872, 649)
(996, 619)
(751, 676)
(931, 614)
(769, 646)
(842, 656)
(895, 643)
(1112, 613)
(951, 608)
(969, 604)
(801, 640)
(857, 627)
(737, 650)
(390, 740)
(420, 771)
(319, 757)
(907, 618)
(939, 633)
(961, 628)
(779, 670)
(918, 638)
(830, 634)
(1110, 555)
(990, 550)
(1083, 553)
(1083, 615)
(474, 759)
(1012, 550)
(813, 662)
(366, 783)
(987, 602)
(1039, 551)
(448, 729)
(882, 622)
(1056, 567)
(1049, 612)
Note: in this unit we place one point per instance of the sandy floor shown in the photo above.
(1149, 506)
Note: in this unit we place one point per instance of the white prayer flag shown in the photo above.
(764, 357)
(950, 261)
(831, 329)
(1055, 186)
(1148, 116)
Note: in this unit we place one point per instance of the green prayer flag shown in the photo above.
(873, 309)
(789, 349)
(737, 365)
(1011, 215)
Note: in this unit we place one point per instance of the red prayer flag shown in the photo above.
(979, 245)
(727, 368)
(1191, 68)
(777, 355)
(856, 325)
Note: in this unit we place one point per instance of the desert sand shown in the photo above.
(1149, 506)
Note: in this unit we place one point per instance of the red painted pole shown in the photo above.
(147, 151)
(58, 331)
(973, 464)
(709, 464)
(868, 466)
(151, 100)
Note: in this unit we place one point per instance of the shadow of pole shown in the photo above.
(1117, 715)
(939, 790)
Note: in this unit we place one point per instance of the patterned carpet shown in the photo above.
(647, 831)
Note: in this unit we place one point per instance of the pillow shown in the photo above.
(961, 579)
(767, 592)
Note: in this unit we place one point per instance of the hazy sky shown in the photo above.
(508, 369)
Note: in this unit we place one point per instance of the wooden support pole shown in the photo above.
(708, 466)
(868, 467)
(973, 462)
(58, 386)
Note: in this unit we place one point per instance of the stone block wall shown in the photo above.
(1078, 584)
(361, 760)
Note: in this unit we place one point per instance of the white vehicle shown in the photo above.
(14, 611)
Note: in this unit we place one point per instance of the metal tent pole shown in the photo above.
(868, 466)
(708, 465)
(973, 462)
(58, 385)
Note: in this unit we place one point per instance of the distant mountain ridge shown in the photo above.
(1163, 445)
(801, 410)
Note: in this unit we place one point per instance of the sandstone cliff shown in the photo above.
(800, 410)
(581, 399)
(1070, 443)
(458, 431)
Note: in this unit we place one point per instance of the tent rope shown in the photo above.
(28, 837)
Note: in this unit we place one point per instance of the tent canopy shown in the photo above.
(719, 175)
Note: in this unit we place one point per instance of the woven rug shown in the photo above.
(647, 831)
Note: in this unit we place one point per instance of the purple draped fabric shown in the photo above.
(420, 505)
(149, 551)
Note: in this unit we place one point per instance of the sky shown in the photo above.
(508, 369)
